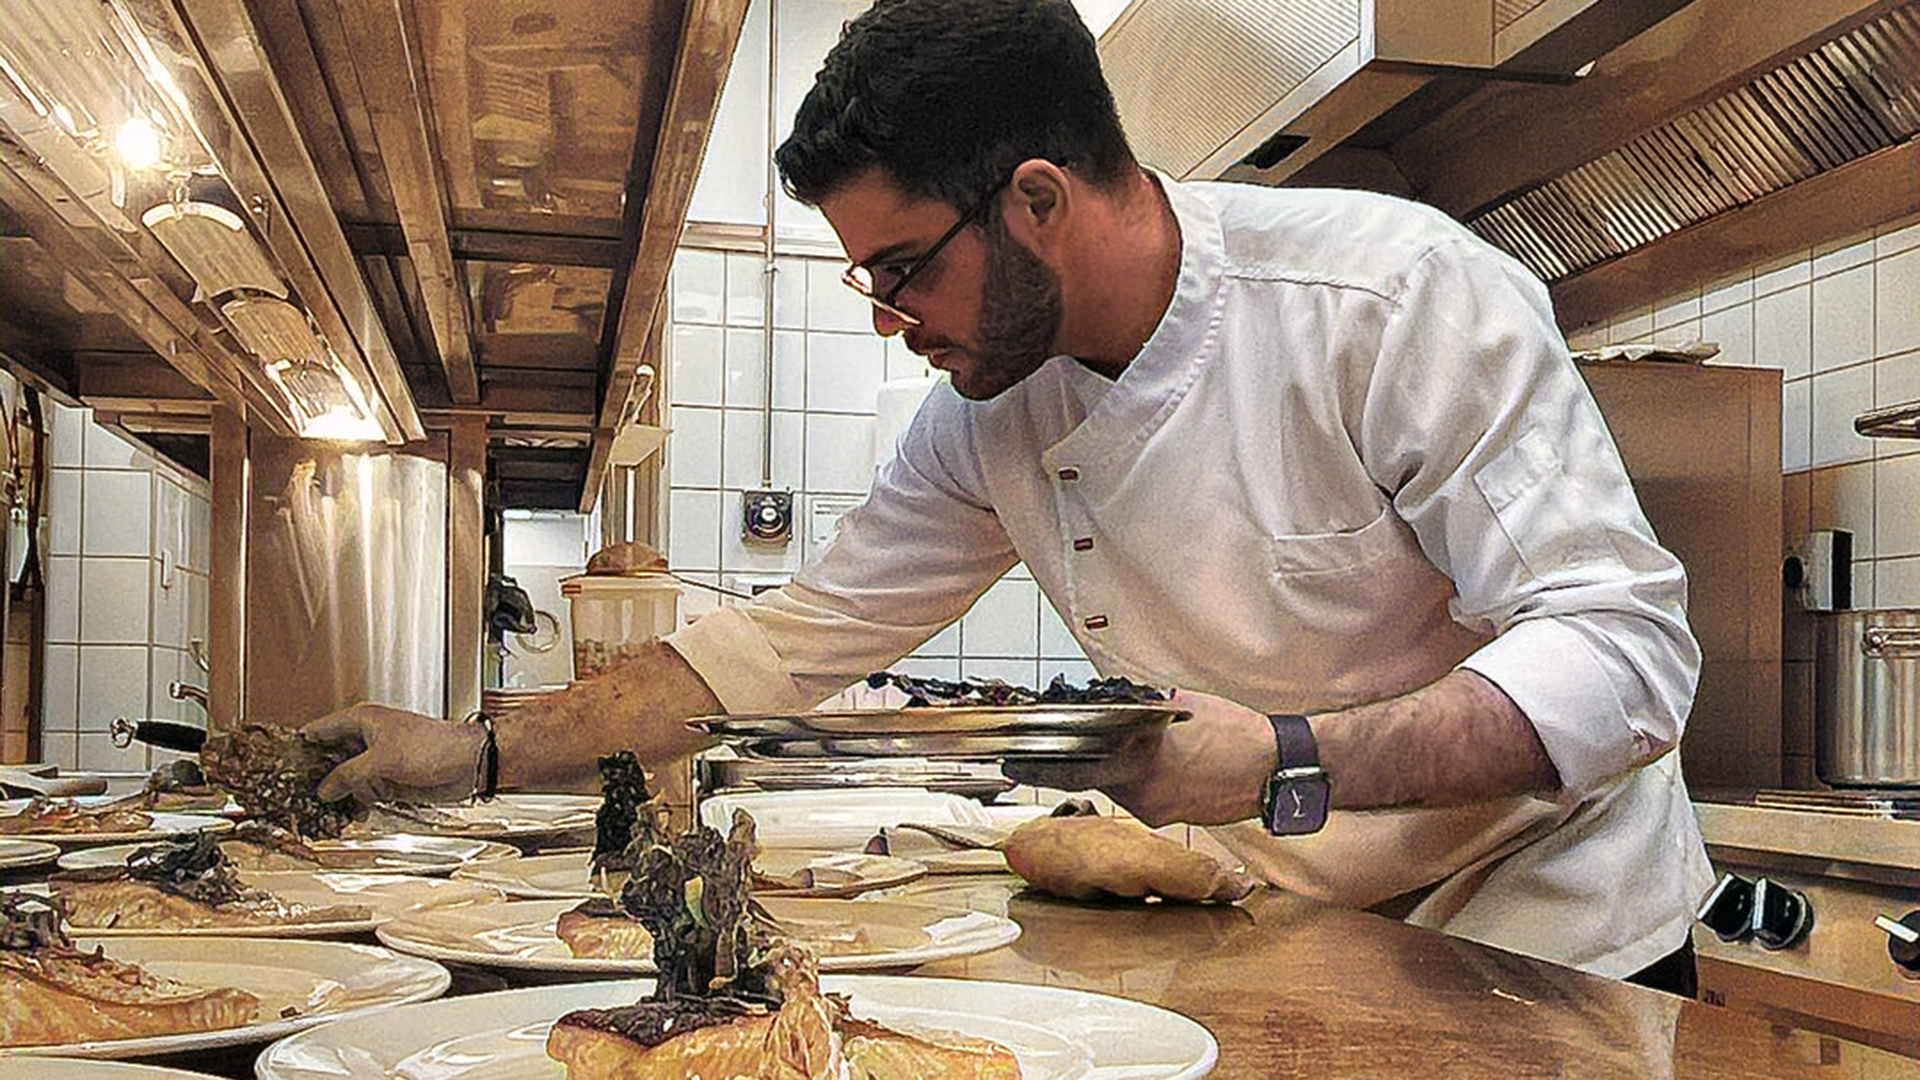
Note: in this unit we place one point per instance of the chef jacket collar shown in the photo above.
(1153, 383)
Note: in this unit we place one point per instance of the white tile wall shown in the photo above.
(116, 516)
(839, 453)
(1843, 317)
(1783, 332)
(746, 289)
(844, 371)
(746, 379)
(113, 682)
(114, 595)
(1838, 397)
(63, 512)
(63, 599)
(65, 446)
(828, 367)
(105, 450)
(61, 702)
(1841, 321)
(127, 589)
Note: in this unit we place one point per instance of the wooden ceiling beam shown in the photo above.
(494, 245)
(708, 37)
(100, 376)
(396, 97)
(161, 319)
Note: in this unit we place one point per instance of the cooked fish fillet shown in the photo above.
(810, 1037)
(127, 904)
(54, 995)
(598, 929)
(44, 815)
(874, 1052)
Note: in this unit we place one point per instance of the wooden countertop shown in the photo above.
(1291, 987)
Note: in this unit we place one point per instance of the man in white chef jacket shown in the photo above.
(1317, 459)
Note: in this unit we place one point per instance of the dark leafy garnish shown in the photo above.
(923, 692)
(31, 922)
(180, 774)
(709, 938)
(273, 774)
(628, 821)
(195, 868)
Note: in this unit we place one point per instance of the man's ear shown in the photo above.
(1040, 201)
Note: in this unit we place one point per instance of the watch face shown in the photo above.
(1297, 805)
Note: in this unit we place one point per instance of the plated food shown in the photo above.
(1055, 1033)
(275, 772)
(957, 721)
(90, 820)
(734, 997)
(776, 871)
(298, 984)
(846, 935)
(56, 994)
(519, 817)
(46, 816)
(183, 885)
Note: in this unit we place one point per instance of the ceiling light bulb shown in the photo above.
(139, 143)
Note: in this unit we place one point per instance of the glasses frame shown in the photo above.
(886, 301)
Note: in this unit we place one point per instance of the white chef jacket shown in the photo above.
(1353, 455)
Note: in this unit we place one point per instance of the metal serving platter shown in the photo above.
(948, 732)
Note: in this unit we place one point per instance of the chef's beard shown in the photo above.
(1019, 317)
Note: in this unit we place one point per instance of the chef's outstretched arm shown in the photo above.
(550, 744)
(1457, 740)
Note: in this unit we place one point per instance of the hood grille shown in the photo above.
(1857, 94)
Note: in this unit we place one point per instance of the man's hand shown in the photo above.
(1207, 770)
(407, 756)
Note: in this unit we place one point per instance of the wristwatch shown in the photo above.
(1297, 794)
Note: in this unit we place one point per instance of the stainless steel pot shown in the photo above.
(1867, 698)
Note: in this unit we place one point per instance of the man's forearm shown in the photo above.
(554, 743)
(1458, 740)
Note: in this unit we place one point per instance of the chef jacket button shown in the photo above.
(1069, 473)
(1096, 622)
(1083, 543)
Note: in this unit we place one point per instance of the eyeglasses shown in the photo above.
(882, 284)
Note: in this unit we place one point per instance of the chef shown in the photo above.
(1317, 459)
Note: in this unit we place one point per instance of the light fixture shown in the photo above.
(214, 246)
(273, 330)
(327, 405)
(138, 141)
(88, 88)
(89, 68)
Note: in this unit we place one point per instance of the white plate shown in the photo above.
(1057, 1034)
(164, 824)
(19, 854)
(519, 934)
(386, 895)
(835, 873)
(324, 980)
(515, 816)
(76, 1069)
(837, 820)
(397, 854)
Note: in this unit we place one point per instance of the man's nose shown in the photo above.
(886, 323)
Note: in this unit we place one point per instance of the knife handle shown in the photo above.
(166, 734)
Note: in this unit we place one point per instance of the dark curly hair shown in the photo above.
(947, 96)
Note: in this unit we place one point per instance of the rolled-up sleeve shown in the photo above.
(904, 564)
(1479, 426)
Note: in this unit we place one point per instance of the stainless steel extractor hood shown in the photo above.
(1259, 88)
